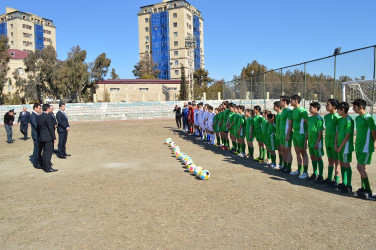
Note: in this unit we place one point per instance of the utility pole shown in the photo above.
(190, 44)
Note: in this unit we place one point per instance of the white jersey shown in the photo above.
(205, 119)
(195, 112)
(210, 121)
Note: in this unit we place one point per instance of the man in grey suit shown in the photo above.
(37, 158)
(24, 118)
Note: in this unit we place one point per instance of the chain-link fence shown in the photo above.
(316, 80)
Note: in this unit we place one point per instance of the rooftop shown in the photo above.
(17, 54)
(139, 81)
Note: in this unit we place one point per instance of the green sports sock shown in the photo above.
(305, 169)
(300, 168)
(366, 185)
(250, 152)
(260, 151)
(363, 184)
(269, 154)
(336, 178)
(344, 175)
(280, 160)
(349, 176)
(274, 157)
(314, 164)
(321, 168)
(218, 141)
(330, 173)
(289, 166)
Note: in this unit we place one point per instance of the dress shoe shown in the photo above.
(67, 155)
(50, 170)
(54, 170)
(38, 166)
(61, 157)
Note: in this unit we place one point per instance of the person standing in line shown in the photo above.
(53, 119)
(24, 118)
(37, 158)
(8, 123)
(177, 111)
(62, 129)
(185, 117)
(47, 138)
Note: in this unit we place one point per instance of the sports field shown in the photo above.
(121, 188)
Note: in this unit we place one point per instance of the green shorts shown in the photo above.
(259, 136)
(299, 140)
(316, 152)
(277, 141)
(364, 158)
(241, 134)
(284, 143)
(331, 152)
(273, 143)
(345, 158)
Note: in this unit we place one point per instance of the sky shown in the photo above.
(273, 32)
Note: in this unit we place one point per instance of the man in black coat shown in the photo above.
(8, 123)
(62, 130)
(24, 117)
(37, 158)
(46, 134)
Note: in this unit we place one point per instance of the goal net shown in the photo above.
(364, 89)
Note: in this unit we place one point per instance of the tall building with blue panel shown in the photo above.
(163, 28)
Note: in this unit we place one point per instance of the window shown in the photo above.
(146, 29)
(147, 39)
(175, 34)
(176, 53)
(176, 62)
(11, 42)
(189, 26)
(189, 17)
(170, 89)
(176, 72)
(175, 15)
(147, 47)
(25, 26)
(11, 25)
(144, 89)
(114, 89)
(160, 9)
(175, 25)
(47, 39)
(48, 32)
(27, 43)
(21, 71)
(11, 34)
(176, 43)
(27, 35)
(146, 20)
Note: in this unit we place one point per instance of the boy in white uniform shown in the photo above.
(210, 125)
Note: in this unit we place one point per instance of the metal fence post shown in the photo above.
(305, 83)
(264, 94)
(374, 77)
(281, 83)
(335, 75)
(251, 91)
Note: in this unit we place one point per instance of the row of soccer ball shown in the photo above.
(188, 162)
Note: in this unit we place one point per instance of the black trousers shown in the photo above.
(23, 128)
(46, 147)
(185, 123)
(37, 157)
(178, 121)
(62, 142)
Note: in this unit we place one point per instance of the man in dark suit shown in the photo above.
(62, 130)
(24, 117)
(46, 134)
(37, 158)
(8, 123)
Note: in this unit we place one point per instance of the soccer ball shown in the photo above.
(191, 165)
(204, 175)
(177, 153)
(168, 140)
(191, 168)
(197, 170)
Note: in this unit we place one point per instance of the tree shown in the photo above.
(214, 88)
(146, 68)
(4, 60)
(183, 85)
(48, 66)
(73, 75)
(98, 70)
(113, 74)
(201, 80)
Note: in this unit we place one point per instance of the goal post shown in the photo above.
(364, 89)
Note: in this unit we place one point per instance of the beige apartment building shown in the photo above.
(26, 32)
(163, 29)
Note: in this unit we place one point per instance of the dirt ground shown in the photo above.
(121, 188)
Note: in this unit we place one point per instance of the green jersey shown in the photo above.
(241, 122)
(346, 126)
(231, 117)
(315, 126)
(236, 123)
(277, 123)
(365, 124)
(331, 121)
(286, 116)
(258, 122)
(216, 122)
(299, 115)
(248, 126)
(265, 129)
(225, 118)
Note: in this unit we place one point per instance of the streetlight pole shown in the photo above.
(190, 44)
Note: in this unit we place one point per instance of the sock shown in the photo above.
(269, 154)
(243, 148)
(349, 176)
(283, 164)
(261, 153)
(314, 164)
(218, 140)
(300, 168)
(289, 166)
(336, 178)
(280, 160)
(321, 168)
(344, 175)
(366, 185)
(305, 169)
(208, 137)
(234, 146)
(363, 183)
(330, 173)
(274, 157)
(250, 152)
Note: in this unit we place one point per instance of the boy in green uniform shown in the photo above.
(344, 145)
(258, 132)
(285, 137)
(230, 126)
(278, 109)
(223, 125)
(272, 141)
(216, 120)
(249, 134)
(331, 121)
(299, 126)
(364, 145)
(240, 132)
(315, 141)
(265, 137)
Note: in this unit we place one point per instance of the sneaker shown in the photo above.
(286, 171)
(334, 185)
(277, 167)
(347, 190)
(359, 193)
(320, 179)
(295, 173)
(327, 181)
(272, 165)
(313, 177)
(303, 176)
(341, 186)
